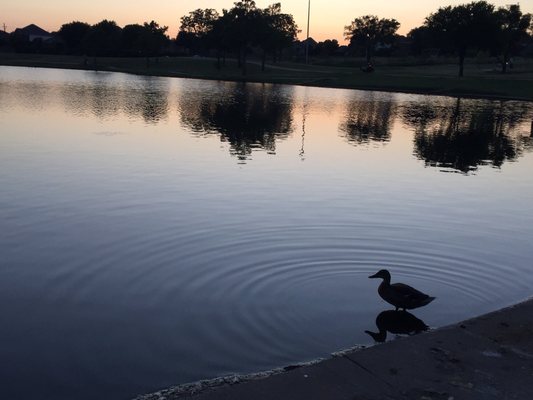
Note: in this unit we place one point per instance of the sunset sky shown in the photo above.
(328, 17)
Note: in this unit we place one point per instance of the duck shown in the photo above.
(398, 323)
(400, 295)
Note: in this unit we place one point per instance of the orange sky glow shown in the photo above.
(328, 18)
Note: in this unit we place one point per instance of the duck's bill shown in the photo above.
(374, 276)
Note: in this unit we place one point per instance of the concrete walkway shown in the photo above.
(488, 357)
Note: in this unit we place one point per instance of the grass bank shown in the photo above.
(480, 80)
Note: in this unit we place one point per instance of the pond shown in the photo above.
(157, 231)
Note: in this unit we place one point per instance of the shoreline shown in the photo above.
(386, 79)
(485, 357)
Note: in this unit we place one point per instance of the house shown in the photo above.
(32, 32)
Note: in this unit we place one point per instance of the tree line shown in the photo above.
(451, 30)
(237, 30)
(106, 38)
(246, 29)
(475, 26)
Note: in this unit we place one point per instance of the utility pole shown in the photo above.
(5, 27)
(307, 39)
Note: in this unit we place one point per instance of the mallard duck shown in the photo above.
(398, 323)
(399, 294)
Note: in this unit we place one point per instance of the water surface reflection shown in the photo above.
(248, 117)
(139, 251)
(397, 323)
(464, 134)
(146, 98)
(368, 118)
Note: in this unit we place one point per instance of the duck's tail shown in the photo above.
(379, 337)
(428, 300)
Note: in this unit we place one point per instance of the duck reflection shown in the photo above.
(397, 323)
(246, 116)
(463, 134)
(368, 119)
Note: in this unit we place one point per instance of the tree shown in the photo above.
(132, 39)
(273, 31)
(196, 27)
(281, 29)
(368, 31)
(514, 27)
(420, 39)
(155, 37)
(199, 22)
(73, 34)
(238, 29)
(218, 36)
(462, 27)
(103, 39)
(328, 47)
(144, 40)
(242, 28)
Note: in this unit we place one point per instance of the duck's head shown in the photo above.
(383, 274)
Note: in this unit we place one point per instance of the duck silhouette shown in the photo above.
(398, 323)
(400, 295)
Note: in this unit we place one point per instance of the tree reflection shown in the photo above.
(246, 116)
(368, 119)
(150, 102)
(464, 134)
(103, 100)
(106, 99)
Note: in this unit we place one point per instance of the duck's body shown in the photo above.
(400, 295)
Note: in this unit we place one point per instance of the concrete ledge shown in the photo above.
(488, 357)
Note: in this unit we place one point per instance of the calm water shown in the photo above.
(158, 231)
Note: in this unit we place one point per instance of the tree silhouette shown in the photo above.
(327, 48)
(462, 27)
(132, 40)
(238, 29)
(369, 30)
(145, 40)
(514, 27)
(199, 22)
(103, 39)
(155, 37)
(278, 31)
(421, 39)
(219, 36)
(196, 27)
(243, 18)
(73, 33)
